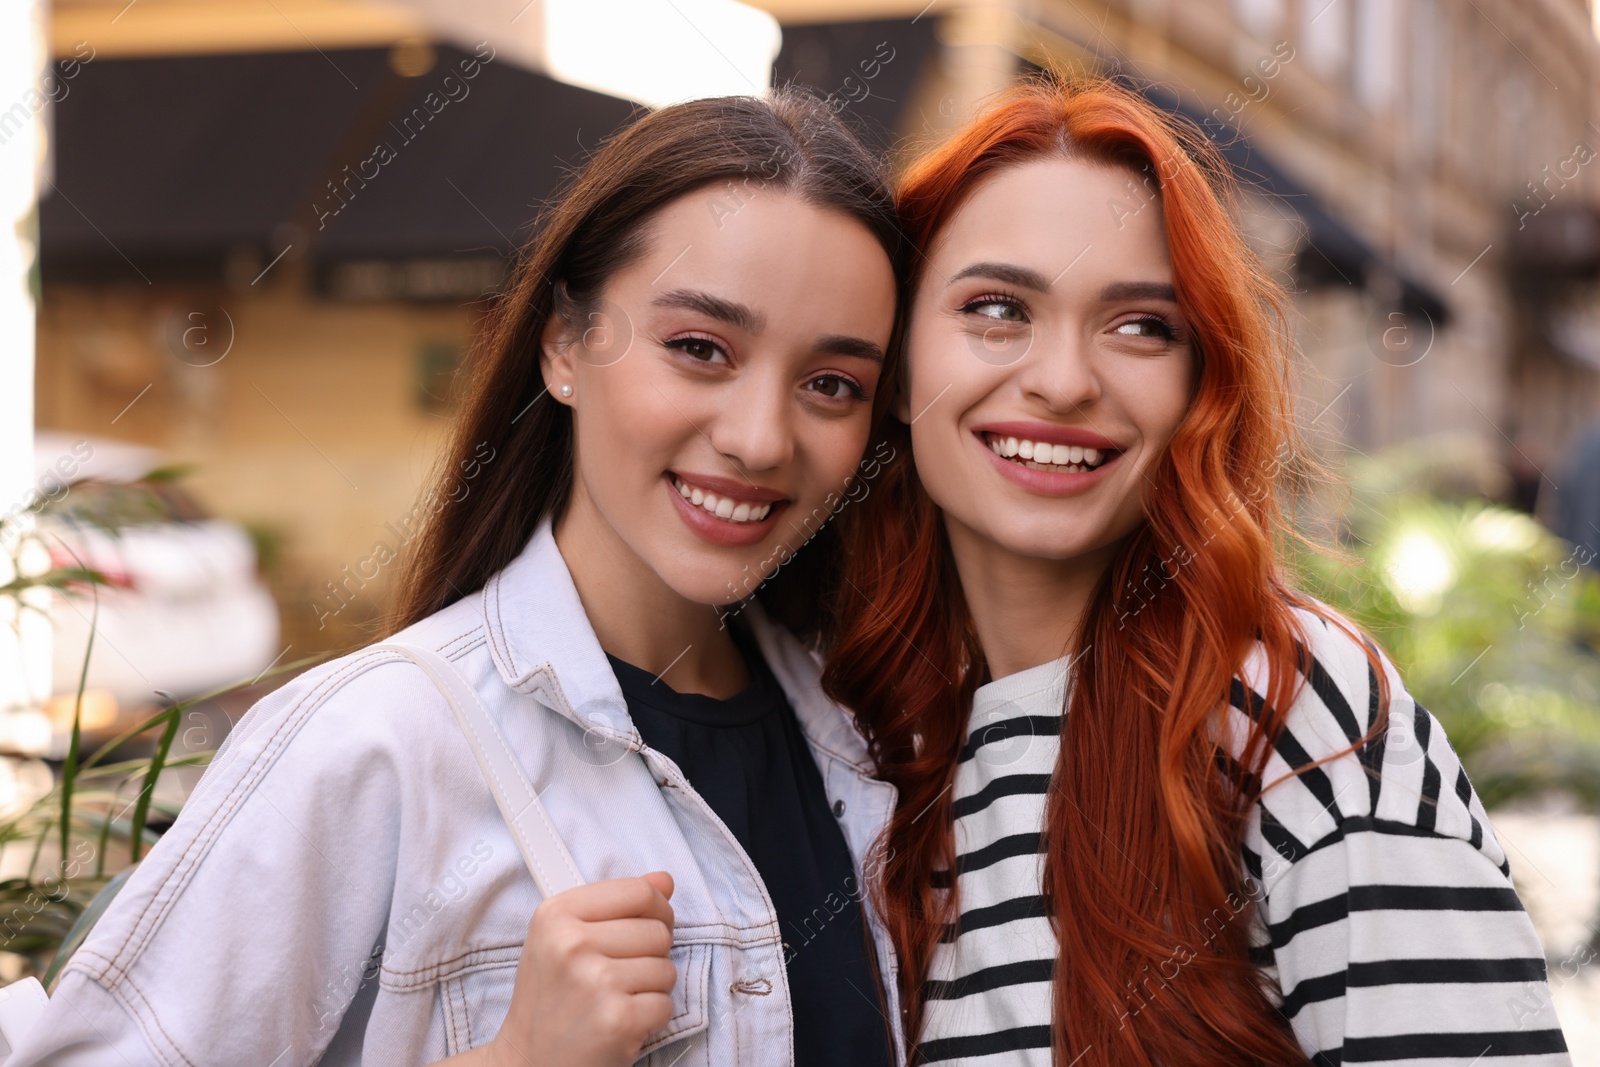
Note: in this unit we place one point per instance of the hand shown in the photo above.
(594, 979)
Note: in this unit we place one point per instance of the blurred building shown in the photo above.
(231, 274)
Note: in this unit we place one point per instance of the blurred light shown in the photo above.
(1503, 530)
(27, 732)
(22, 783)
(661, 53)
(411, 58)
(99, 709)
(1419, 572)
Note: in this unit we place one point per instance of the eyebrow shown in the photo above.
(750, 321)
(842, 345)
(1005, 272)
(734, 314)
(1028, 278)
(1139, 291)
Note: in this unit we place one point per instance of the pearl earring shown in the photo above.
(566, 390)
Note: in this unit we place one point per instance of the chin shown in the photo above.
(717, 585)
(1047, 540)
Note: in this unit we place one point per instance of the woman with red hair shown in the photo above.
(1156, 805)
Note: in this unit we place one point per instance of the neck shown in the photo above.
(640, 619)
(1026, 610)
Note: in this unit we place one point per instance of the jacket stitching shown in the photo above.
(451, 991)
(138, 934)
(444, 649)
(496, 632)
(146, 1012)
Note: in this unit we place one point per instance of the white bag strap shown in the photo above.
(542, 848)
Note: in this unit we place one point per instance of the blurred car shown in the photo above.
(181, 608)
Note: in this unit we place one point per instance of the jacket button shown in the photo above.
(838, 808)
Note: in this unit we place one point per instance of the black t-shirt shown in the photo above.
(748, 758)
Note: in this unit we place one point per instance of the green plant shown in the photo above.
(1492, 620)
(99, 830)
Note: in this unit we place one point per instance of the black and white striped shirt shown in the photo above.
(1388, 926)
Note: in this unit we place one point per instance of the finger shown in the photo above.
(644, 974)
(615, 898)
(648, 1012)
(662, 881)
(628, 938)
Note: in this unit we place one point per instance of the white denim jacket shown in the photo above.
(341, 888)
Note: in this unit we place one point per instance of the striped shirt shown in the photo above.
(1388, 929)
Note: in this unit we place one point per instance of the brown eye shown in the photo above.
(698, 348)
(1146, 327)
(997, 310)
(836, 386)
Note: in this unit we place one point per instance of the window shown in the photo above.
(1325, 35)
(1377, 52)
(1262, 19)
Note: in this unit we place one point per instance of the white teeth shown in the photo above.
(722, 507)
(1042, 455)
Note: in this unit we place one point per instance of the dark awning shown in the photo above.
(869, 70)
(182, 168)
(1333, 254)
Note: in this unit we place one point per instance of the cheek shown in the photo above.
(627, 420)
(944, 373)
(835, 449)
(1157, 396)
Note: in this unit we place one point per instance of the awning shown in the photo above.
(1333, 253)
(196, 168)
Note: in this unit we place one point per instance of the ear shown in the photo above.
(555, 357)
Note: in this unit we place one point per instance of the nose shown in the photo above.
(1060, 373)
(753, 427)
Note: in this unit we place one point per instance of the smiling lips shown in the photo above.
(727, 506)
(1042, 455)
(1047, 459)
(724, 511)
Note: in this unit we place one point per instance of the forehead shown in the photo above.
(1064, 218)
(771, 249)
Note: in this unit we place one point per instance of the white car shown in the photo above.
(185, 610)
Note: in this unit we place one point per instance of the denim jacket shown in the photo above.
(341, 888)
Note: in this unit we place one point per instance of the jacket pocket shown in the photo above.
(676, 1043)
(473, 1005)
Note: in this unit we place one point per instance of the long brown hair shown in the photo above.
(1145, 818)
(593, 228)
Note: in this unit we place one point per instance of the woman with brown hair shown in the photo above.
(674, 393)
(1157, 807)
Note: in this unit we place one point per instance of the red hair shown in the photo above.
(1147, 811)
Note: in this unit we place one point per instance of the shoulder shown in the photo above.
(311, 798)
(356, 707)
(1353, 758)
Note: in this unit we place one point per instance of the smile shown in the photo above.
(727, 508)
(1043, 456)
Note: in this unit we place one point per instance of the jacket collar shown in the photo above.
(542, 645)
